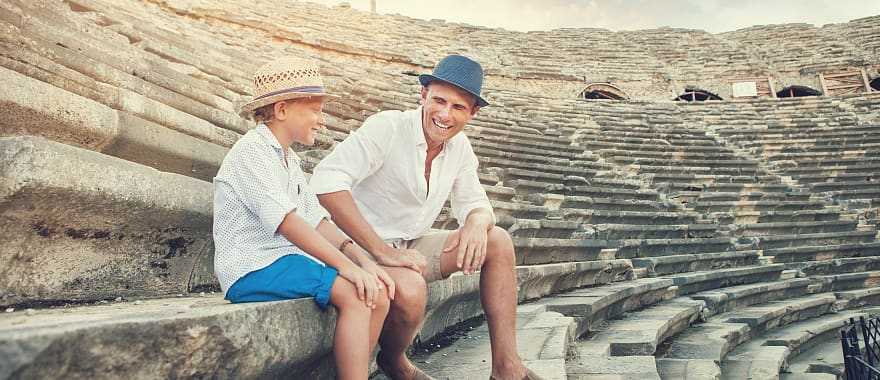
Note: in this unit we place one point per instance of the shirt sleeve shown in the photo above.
(262, 188)
(467, 192)
(356, 158)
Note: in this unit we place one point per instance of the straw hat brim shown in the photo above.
(249, 107)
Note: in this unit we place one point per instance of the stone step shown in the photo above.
(618, 368)
(837, 177)
(699, 180)
(865, 169)
(35, 108)
(664, 247)
(733, 162)
(639, 332)
(832, 187)
(816, 239)
(533, 251)
(532, 165)
(667, 265)
(716, 206)
(683, 171)
(872, 195)
(824, 163)
(751, 217)
(628, 232)
(694, 282)
(130, 229)
(769, 315)
(838, 265)
(99, 336)
(668, 155)
(730, 298)
(492, 148)
(823, 252)
(545, 228)
(753, 196)
(629, 217)
(768, 355)
(794, 228)
(542, 340)
(610, 204)
(849, 281)
(592, 306)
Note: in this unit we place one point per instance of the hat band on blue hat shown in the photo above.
(306, 89)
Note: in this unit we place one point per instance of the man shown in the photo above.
(386, 184)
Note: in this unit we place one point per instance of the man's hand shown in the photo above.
(399, 257)
(471, 241)
(382, 277)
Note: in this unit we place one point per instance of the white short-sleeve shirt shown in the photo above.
(253, 192)
(383, 164)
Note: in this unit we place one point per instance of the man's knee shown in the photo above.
(411, 293)
(500, 246)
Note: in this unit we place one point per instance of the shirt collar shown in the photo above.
(270, 139)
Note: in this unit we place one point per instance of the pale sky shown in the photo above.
(711, 15)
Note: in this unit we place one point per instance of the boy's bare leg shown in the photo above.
(499, 297)
(351, 347)
(378, 315)
(402, 324)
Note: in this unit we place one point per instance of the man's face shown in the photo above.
(446, 110)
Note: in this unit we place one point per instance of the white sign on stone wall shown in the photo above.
(743, 89)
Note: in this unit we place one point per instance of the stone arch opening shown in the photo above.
(696, 95)
(797, 91)
(875, 84)
(603, 91)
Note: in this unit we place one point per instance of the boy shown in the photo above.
(273, 239)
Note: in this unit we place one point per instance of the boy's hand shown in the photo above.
(365, 282)
(384, 280)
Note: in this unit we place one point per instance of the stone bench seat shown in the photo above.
(843, 153)
(851, 299)
(868, 168)
(551, 145)
(629, 217)
(653, 133)
(671, 231)
(645, 147)
(849, 281)
(611, 204)
(796, 228)
(536, 156)
(837, 177)
(667, 265)
(664, 247)
(707, 179)
(838, 265)
(827, 149)
(833, 187)
(210, 327)
(638, 333)
(832, 238)
(747, 187)
(766, 356)
(112, 218)
(482, 146)
(500, 193)
(722, 300)
(716, 206)
(720, 196)
(535, 250)
(602, 190)
(660, 138)
(592, 306)
(854, 194)
(698, 163)
(841, 142)
(528, 169)
(544, 228)
(824, 163)
(670, 155)
(694, 282)
(823, 252)
(39, 109)
(674, 170)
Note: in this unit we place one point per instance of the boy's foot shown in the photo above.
(406, 371)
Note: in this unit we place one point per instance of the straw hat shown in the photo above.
(283, 79)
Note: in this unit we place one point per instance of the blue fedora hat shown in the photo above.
(459, 71)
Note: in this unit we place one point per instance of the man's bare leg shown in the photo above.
(499, 298)
(403, 322)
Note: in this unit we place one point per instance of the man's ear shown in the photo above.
(424, 94)
(474, 110)
(280, 109)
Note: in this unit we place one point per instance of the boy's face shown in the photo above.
(301, 118)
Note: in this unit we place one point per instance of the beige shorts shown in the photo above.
(431, 247)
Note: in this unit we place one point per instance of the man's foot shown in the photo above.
(403, 370)
(530, 375)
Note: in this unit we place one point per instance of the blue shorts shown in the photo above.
(289, 277)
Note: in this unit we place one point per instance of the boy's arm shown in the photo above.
(354, 252)
(300, 233)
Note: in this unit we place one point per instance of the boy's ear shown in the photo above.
(280, 110)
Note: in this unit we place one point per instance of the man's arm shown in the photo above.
(346, 215)
(473, 210)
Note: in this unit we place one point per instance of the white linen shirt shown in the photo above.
(253, 192)
(383, 165)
